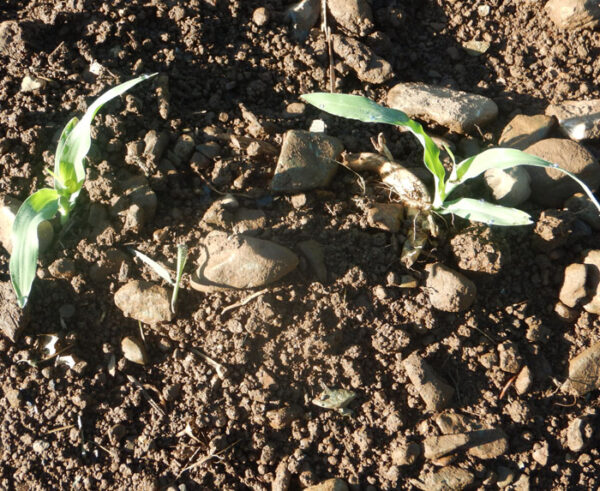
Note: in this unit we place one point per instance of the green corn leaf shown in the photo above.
(504, 158)
(482, 211)
(75, 141)
(182, 253)
(367, 111)
(42, 205)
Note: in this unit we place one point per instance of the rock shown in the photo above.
(477, 250)
(524, 381)
(436, 393)
(552, 230)
(283, 417)
(353, 16)
(510, 360)
(450, 423)
(573, 290)
(551, 187)
(306, 161)
(592, 262)
(505, 476)
(248, 221)
(574, 14)
(221, 212)
(171, 392)
(581, 205)
(260, 16)
(294, 110)
(541, 453)
(63, 268)
(335, 484)
(459, 111)
(313, 251)
(110, 263)
(369, 67)
(283, 477)
(523, 131)
(436, 447)
(184, 148)
(483, 444)
(304, 16)
(135, 191)
(565, 313)
(508, 187)
(134, 350)
(579, 120)
(386, 216)
(144, 302)
(448, 478)
(476, 48)
(13, 319)
(240, 261)
(579, 433)
(155, 146)
(584, 372)
(40, 446)
(405, 453)
(8, 211)
(31, 84)
(448, 290)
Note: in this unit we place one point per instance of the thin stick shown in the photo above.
(135, 382)
(508, 384)
(327, 31)
(62, 428)
(244, 301)
(217, 366)
(207, 458)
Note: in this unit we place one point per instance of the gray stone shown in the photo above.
(134, 350)
(9, 207)
(508, 187)
(369, 67)
(574, 14)
(584, 372)
(184, 148)
(240, 261)
(551, 187)
(304, 16)
(144, 302)
(447, 478)
(573, 289)
(487, 443)
(448, 290)
(579, 120)
(155, 146)
(353, 16)
(541, 453)
(459, 111)
(32, 84)
(436, 393)
(307, 161)
(436, 447)
(523, 131)
(579, 433)
(13, 319)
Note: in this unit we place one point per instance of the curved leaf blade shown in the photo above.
(40, 206)
(488, 213)
(365, 110)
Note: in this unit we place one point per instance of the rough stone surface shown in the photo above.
(579, 433)
(63, 268)
(592, 262)
(306, 161)
(304, 16)
(523, 131)
(353, 16)
(240, 261)
(573, 289)
(13, 319)
(579, 120)
(574, 14)
(488, 443)
(134, 350)
(386, 216)
(436, 447)
(448, 290)
(459, 111)
(509, 187)
(584, 372)
(509, 358)
(448, 478)
(335, 484)
(551, 187)
(405, 453)
(524, 381)
(436, 393)
(144, 301)
(369, 67)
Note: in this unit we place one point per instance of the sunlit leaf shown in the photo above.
(482, 211)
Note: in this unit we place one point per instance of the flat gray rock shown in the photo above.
(574, 14)
(353, 16)
(579, 120)
(508, 187)
(551, 187)
(584, 372)
(307, 161)
(436, 393)
(368, 66)
(523, 131)
(459, 111)
(240, 261)
(144, 302)
(447, 478)
(449, 290)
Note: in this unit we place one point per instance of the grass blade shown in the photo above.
(182, 253)
(482, 211)
(41, 205)
(157, 268)
(367, 111)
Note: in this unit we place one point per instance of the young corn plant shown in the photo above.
(367, 111)
(69, 176)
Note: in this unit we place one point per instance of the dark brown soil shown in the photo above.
(351, 331)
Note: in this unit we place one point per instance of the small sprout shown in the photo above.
(182, 253)
(336, 399)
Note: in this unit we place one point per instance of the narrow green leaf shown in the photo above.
(504, 158)
(71, 150)
(367, 111)
(157, 268)
(182, 253)
(42, 205)
(482, 211)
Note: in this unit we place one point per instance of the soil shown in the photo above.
(93, 427)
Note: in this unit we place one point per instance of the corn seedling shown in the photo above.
(69, 176)
(411, 191)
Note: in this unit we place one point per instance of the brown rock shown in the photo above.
(144, 301)
(353, 16)
(584, 372)
(573, 290)
(436, 393)
(386, 216)
(448, 290)
(368, 66)
(335, 484)
(13, 319)
(283, 417)
(134, 350)
(579, 120)
(574, 14)
(523, 131)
